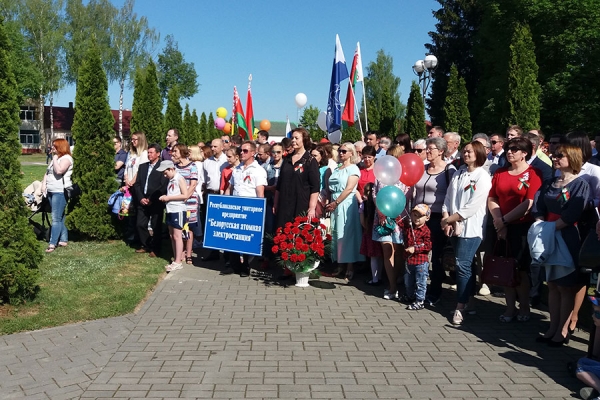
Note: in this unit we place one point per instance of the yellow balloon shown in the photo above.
(221, 112)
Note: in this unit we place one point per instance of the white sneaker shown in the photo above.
(485, 290)
(174, 267)
(457, 319)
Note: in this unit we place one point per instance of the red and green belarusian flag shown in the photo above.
(238, 115)
(356, 75)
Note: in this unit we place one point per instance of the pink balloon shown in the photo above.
(412, 168)
(219, 123)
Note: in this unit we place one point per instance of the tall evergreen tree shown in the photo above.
(452, 43)
(173, 113)
(456, 107)
(388, 123)
(20, 253)
(381, 87)
(415, 113)
(196, 134)
(203, 127)
(93, 165)
(187, 127)
(523, 94)
(212, 132)
(146, 113)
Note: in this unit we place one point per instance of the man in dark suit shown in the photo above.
(150, 184)
(535, 161)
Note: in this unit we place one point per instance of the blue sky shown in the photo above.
(288, 47)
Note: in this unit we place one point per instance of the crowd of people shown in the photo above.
(484, 197)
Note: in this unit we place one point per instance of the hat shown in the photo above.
(324, 140)
(167, 164)
(595, 300)
(423, 209)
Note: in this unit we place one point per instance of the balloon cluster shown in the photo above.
(224, 126)
(389, 170)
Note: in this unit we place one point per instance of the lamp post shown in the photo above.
(423, 69)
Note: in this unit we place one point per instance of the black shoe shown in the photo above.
(244, 273)
(227, 271)
(535, 301)
(542, 339)
(370, 282)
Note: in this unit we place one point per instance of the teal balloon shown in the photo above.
(391, 201)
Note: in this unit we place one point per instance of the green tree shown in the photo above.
(456, 107)
(382, 96)
(195, 138)
(350, 133)
(93, 166)
(452, 42)
(146, 111)
(203, 127)
(20, 253)
(173, 113)
(523, 94)
(187, 127)
(132, 41)
(212, 132)
(308, 120)
(43, 26)
(175, 72)
(86, 23)
(415, 114)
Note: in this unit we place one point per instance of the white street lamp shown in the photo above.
(423, 69)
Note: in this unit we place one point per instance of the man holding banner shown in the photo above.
(248, 179)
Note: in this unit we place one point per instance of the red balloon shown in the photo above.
(412, 168)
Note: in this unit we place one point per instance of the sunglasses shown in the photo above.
(496, 141)
(597, 314)
(558, 156)
(225, 141)
(245, 151)
(342, 151)
(514, 149)
(419, 150)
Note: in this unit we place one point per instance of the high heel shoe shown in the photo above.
(552, 343)
(542, 339)
(349, 275)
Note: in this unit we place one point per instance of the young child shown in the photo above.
(588, 370)
(177, 192)
(417, 239)
(369, 247)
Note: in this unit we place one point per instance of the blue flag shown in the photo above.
(338, 74)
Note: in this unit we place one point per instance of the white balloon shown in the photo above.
(322, 121)
(301, 100)
(335, 136)
(388, 170)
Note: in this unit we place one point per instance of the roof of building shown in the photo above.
(63, 119)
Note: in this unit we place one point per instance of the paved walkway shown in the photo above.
(202, 335)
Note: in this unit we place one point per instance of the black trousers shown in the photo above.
(153, 216)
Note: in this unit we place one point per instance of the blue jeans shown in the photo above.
(416, 275)
(464, 251)
(59, 232)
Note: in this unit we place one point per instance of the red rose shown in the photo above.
(318, 233)
(328, 237)
(295, 231)
(290, 236)
(288, 224)
(301, 257)
(287, 230)
(275, 249)
(322, 226)
(294, 258)
(321, 253)
(284, 256)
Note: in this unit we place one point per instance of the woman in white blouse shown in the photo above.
(463, 215)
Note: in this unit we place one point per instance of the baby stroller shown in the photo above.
(37, 203)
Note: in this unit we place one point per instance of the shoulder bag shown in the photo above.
(500, 270)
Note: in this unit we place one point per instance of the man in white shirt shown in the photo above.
(248, 179)
(212, 181)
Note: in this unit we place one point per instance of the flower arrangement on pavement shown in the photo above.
(300, 244)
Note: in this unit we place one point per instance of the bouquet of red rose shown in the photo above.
(300, 244)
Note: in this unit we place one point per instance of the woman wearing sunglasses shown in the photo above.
(563, 202)
(510, 199)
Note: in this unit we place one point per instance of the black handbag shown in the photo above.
(71, 192)
(500, 270)
(589, 254)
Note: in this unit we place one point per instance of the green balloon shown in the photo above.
(391, 201)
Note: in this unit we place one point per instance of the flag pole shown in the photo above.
(357, 110)
(365, 105)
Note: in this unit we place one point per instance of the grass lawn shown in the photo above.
(85, 281)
